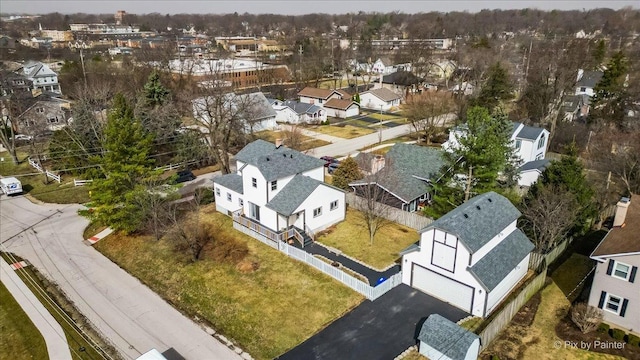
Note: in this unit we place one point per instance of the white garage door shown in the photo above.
(443, 288)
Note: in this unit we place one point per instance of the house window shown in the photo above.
(333, 205)
(518, 144)
(319, 101)
(274, 185)
(539, 157)
(621, 271)
(541, 142)
(317, 211)
(240, 202)
(613, 304)
(53, 120)
(40, 110)
(254, 182)
(228, 196)
(217, 191)
(583, 89)
(254, 211)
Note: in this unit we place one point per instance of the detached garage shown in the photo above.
(449, 290)
(341, 108)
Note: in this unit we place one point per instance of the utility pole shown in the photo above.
(467, 189)
(84, 73)
(300, 51)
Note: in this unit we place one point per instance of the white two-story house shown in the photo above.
(253, 110)
(42, 76)
(472, 257)
(530, 143)
(276, 189)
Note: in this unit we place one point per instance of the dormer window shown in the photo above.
(274, 185)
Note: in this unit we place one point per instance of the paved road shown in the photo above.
(132, 317)
(54, 338)
(349, 146)
(381, 329)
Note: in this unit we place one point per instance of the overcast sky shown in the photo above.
(292, 7)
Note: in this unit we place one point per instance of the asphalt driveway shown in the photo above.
(381, 329)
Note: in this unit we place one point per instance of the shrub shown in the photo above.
(633, 340)
(229, 250)
(618, 334)
(604, 328)
(586, 317)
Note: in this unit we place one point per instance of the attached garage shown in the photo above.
(442, 287)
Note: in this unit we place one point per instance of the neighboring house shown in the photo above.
(531, 171)
(14, 84)
(575, 107)
(253, 109)
(442, 69)
(342, 109)
(380, 99)
(319, 97)
(382, 66)
(294, 112)
(615, 288)
(464, 88)
(46, 113)
(276, 188)
(443, 339)
(404, 174)
(42, 76)
(472, 257)
(530, 144)
(586, 81)
(402, 83)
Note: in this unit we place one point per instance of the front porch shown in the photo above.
(268, 236)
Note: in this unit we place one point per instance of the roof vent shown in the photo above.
(490, 200)
(291, 156)
(284, 155)
(478, 207)
(466, 216)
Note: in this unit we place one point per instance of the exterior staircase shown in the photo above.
(307, 240)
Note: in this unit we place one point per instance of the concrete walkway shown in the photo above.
(51, 331)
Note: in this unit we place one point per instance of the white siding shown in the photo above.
(322, 196)
(442, 287)
(257, 195)
(528, 178)
(369, 101)
(286, 114)
(221, 200)
(281, 183)
(510, 281)
(431, 353)
(317, 173)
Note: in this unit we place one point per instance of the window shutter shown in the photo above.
(632, 276)
(603, 295)
(623, 309)
(610, 267)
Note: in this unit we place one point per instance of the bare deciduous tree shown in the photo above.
(618, 152)
(586, 317)
(188, 231)
(549, 216)
(427, 112)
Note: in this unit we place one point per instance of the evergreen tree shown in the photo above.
(126, 165)
(484, 150)
(611, 97)
(497, 87)
(155, 93)
(356, 98)
(347, 172)
(599, 53)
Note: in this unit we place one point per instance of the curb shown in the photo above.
(99, 236)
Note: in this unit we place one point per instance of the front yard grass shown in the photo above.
(306, 142)
(568, 275)
(352, 238)
(266, 312)
(345, 132)
(20, 338)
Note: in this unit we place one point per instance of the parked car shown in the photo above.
(23, 137)
(328, 160)
(333, 166)
(184, 176)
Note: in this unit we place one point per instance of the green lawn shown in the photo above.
(571, 272)
(345, 132)
(20, 339)
(352, 238)
(34, 185)
(35, 282)
(266, 312)
(385, 117)
(307, 142)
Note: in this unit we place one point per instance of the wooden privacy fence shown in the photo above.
(536, 259)
(504, 316)
(370, 292)
(390, 213)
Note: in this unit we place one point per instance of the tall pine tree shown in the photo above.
(498, 87)
(611, 97)
(126, 164)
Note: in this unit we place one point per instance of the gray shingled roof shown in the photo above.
(502, 259)
(446, 336)
(293, 194)
(536, 164)
(230, 181)
(529, 132)
(277, 163)
(405, 167)
(384, 94)
(302, 108)
(478, 220)
(589, 79)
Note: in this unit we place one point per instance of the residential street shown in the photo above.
(132, 317)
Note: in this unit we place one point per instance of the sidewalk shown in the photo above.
(99, 236)
(54, 337)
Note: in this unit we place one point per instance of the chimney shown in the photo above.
(621, 211)
(278, 143)
(377, 163)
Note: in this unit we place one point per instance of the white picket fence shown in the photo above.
(49, 174)
(176, 166)
(81, 182)
(370, 292)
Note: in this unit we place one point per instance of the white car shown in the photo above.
(23, 137)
